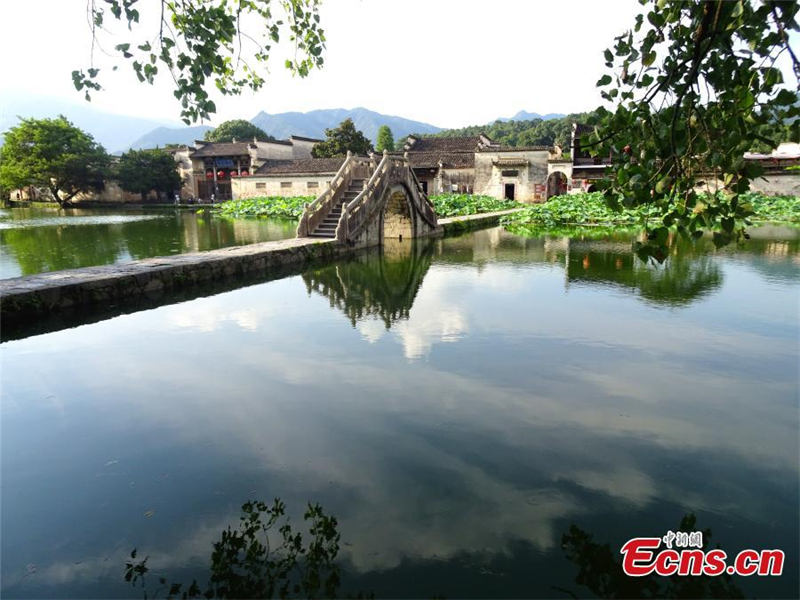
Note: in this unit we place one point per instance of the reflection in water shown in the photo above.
(380, 284)
(600, 570)
(265, 557)
(37, 240)
(553, 401)
(685, 277)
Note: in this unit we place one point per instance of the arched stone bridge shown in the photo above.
(368, 201)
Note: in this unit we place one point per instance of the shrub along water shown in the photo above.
(784, 209)
(276, 207)
(447, 205)
(590, 210)
(458, 205)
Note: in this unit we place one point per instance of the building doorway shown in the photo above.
(509, 191)
(556, 184)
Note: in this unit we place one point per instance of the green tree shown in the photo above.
(141, 171)
(694, 84)
(341, 140)
(52, 154)
(385, 139)
(202, 41)
(237, 129)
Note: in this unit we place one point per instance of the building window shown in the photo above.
(286, 185)
(312, 184)
(261, 186)
(510, 173)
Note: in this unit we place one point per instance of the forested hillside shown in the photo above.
(536, 132)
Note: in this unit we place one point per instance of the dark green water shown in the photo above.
(35, 240)
(457, 405)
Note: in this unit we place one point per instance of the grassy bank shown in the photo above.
(589, 210)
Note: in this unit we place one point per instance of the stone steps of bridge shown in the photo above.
(327, 228)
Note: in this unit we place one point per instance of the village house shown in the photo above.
(444, 164)
(288, 177)
(215, 165)
(469, 164)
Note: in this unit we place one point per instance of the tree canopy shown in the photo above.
(692, 85)
(385, 139)
(141, 171)
(342, 139)
(200, 41)
(237, 129)
(533, 132)
(52, 154)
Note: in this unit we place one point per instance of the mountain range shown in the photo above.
(118, 133)
(314, 123)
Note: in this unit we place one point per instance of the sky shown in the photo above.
(449, 63)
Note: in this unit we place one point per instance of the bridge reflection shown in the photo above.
(380, 284)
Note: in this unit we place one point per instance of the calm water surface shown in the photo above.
(457, 405)
(35, 240)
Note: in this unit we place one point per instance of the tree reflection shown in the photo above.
(265, 557)
(600, 570)
(379, 284)
(53, 248)
(689, 274)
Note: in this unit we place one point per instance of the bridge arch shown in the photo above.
(398, 218)
(369, 201)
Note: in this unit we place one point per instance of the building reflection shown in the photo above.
(381, 284)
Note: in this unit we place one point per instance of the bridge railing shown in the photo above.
(314, 213)
(356, 213)
(361, 210)
(421, 199)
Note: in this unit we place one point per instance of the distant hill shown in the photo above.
(162, 136)
(535, 131)
(314, 123)
(114, 132)
(529, 116)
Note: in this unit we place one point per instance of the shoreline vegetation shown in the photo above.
(278, 207)
(580, 210)
(589, 211)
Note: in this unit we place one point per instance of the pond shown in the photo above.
(39, 239)
(456, 404)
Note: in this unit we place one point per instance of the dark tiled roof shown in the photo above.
(450, 160)
(443, 144)
(223, 149)
(300, 166)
